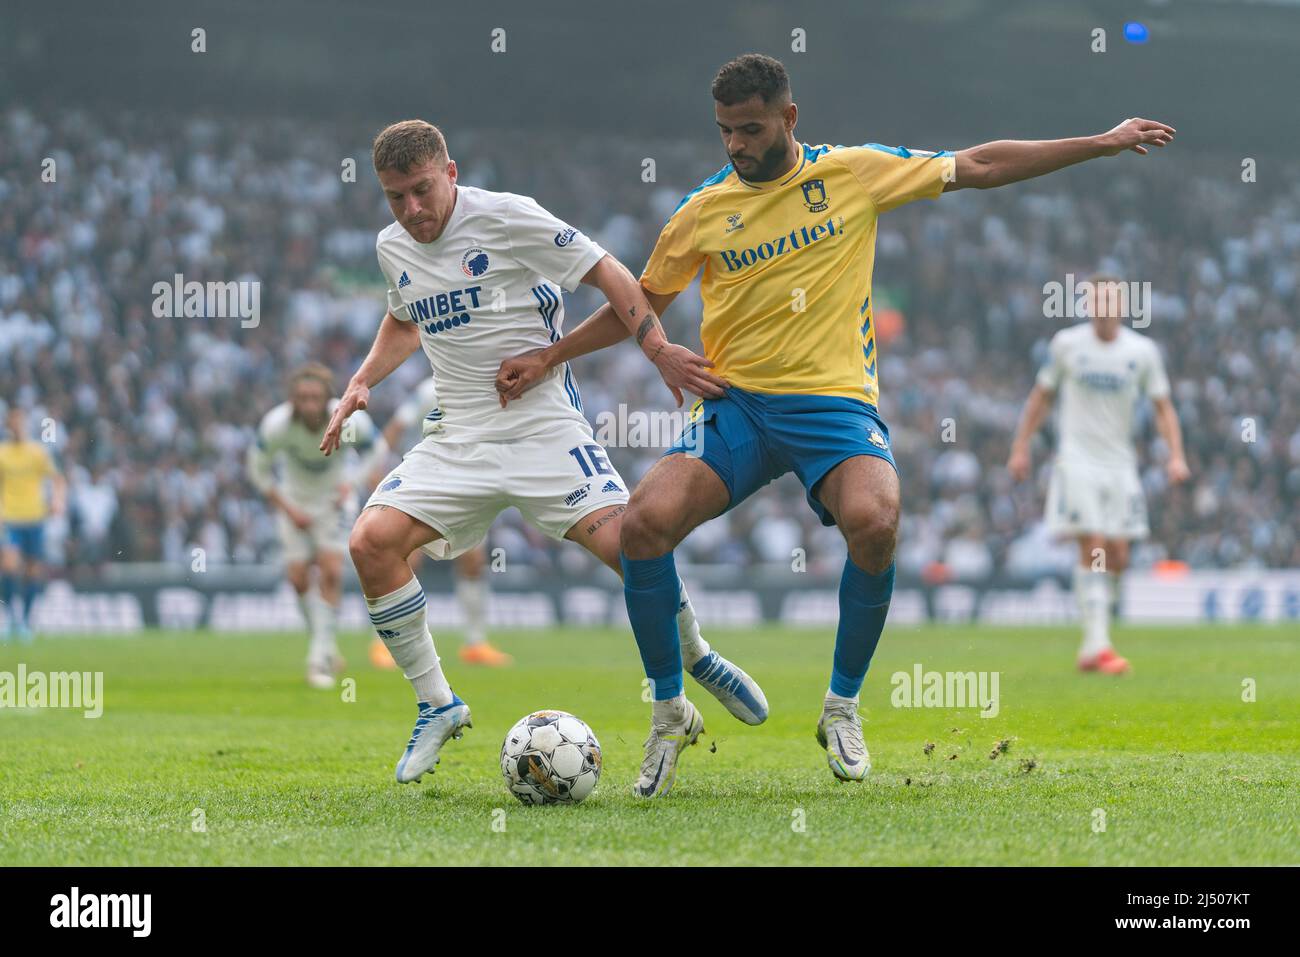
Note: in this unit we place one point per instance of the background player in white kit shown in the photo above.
(421, 409)
(475, 277)
(315, 500)
(1100, 369)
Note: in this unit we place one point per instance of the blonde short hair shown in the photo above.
(408, 144)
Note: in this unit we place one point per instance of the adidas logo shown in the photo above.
(611, 486)
(404, 281)
(386, 633)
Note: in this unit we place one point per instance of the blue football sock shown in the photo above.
(864, 603)
(8, 591)
(652, 591)
(31, 588)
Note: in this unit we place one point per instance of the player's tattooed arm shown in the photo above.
(639, 310)
(517, 375)
(629, 302)
(1000, 162)
(647, 325)
(630, 311)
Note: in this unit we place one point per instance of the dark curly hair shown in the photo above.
(752, 74)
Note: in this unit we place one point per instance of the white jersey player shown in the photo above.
(421, 409)
(316, 501)
(474, 278)
(1100, 370)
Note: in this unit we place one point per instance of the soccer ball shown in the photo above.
(550, 757)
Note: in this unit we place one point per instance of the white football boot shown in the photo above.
(320, 675)
(737, 691)
(322, 670)
(840, 732)
(432, 729)
(675, 725)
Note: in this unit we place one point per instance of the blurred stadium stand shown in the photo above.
(228, 167)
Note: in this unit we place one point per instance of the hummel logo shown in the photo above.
(404, 281)
(612, 486)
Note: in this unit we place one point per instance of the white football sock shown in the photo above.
(472, 593)
(669, 712)
(399, 619)
(307, 606)
(324, 620)
(833, 699)
(1116, 590)
(1092, 589)
(688, 631)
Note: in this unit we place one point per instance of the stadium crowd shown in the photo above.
(151, 416)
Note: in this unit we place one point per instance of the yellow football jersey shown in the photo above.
(24, 466)
(787, 265)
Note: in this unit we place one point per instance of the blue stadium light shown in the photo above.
(1135, 32)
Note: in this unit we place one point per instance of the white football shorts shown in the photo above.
(328, 532)
(1096, 500)
(459, 489)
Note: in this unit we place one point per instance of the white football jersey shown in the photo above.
(422, 408)
(311, 479)
(487, 289)
(1098, 384)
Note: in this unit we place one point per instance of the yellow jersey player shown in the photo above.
(25, 466)
(785, 235)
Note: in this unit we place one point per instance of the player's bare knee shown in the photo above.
(298, 578)
(644, 533)
(364, 546)
(1116, 557)
(330, 578)
(871, 534)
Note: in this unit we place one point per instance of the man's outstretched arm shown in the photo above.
(1009, 161)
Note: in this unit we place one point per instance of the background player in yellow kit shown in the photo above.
(785, 235)
(25, 465)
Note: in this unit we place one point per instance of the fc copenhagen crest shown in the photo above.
(474, 262)
(814, 196)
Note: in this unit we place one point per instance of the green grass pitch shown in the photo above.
(222, 731)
